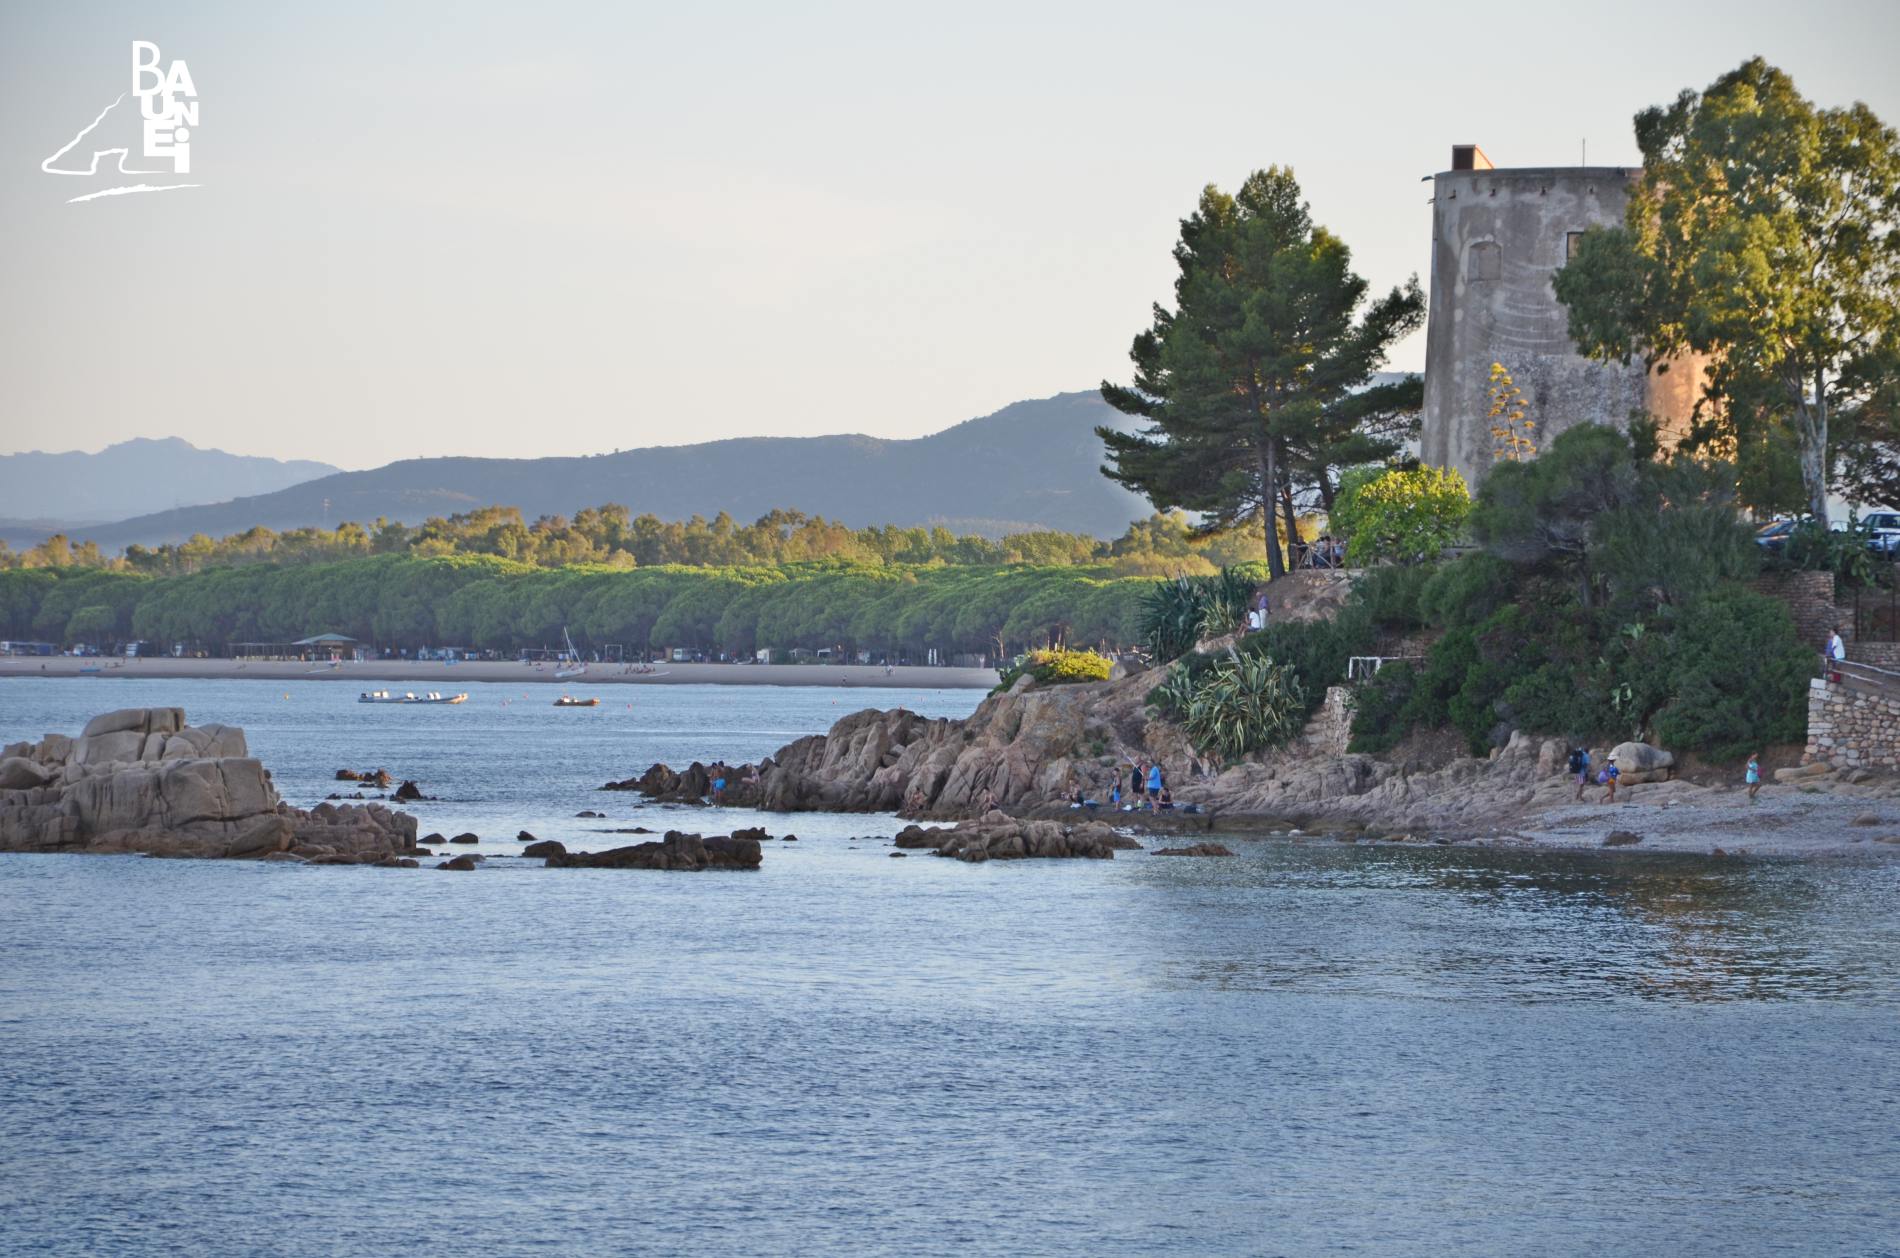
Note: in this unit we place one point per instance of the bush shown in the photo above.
(1058, 666)
(1243, 704)
(1403, 517)
(1740, 677)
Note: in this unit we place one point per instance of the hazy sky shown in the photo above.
(564, 228)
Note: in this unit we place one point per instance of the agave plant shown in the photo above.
(1243, 704)
(1171, 615)
(1181, 611)
(1175, 693)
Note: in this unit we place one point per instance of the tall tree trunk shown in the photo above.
(1817, 476)
(1269, 481)
(1811, 425)
(1326, 491)
(1292, 520)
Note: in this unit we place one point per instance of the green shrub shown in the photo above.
(1243, 704)
(1466, 591)
(1401, 516)
(1380, 707)
(1740, 677)
(1058, 666)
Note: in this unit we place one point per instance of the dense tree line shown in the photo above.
(613, 537)
(489, 603)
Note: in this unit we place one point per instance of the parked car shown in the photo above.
(1883, 532)
(1774, 535)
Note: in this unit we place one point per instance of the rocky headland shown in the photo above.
(142, 780)
(1023, 755)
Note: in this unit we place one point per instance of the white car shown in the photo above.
(1883, 531)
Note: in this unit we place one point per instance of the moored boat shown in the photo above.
(569, 701)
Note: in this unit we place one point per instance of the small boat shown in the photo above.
(569, 701)
(409, 696)
(381, 696)
(437, 697)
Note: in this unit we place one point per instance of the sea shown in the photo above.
(1308, 1048)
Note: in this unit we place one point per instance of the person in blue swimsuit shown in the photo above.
(1154, 785)
(1754, 775)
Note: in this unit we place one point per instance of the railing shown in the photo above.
(1860, 676)
(1366, 667)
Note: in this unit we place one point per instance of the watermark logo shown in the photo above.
(162, 128)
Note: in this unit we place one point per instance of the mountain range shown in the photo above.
(42, 493)
(1033, 464)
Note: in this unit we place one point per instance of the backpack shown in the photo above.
(1576, 761)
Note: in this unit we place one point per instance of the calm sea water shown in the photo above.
(1309, 1049)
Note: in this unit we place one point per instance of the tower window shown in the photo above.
(1482, 263)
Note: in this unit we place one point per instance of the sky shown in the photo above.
(565, 228)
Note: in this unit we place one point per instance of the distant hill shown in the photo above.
(42, 493)
(1030, 465)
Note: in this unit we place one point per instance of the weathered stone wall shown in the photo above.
(1850, 728)
(1331, 727)
(1809, 598)
(1498, 236)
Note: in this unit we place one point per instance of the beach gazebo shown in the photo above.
(332, 645)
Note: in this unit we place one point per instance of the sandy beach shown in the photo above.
(432, 675)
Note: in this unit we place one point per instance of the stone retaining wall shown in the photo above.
(1809, 598)
(1850, 728)
(1331, 727)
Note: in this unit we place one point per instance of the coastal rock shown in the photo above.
(464, 862)
(468, 838)
(998, 836)
(17, 773)
(407, 791)
(1639, 762)
(1196, 849)
(545, 847)
(1621, 838)
(141, 780)
(675, 851)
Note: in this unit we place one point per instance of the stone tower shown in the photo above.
(1498, 236)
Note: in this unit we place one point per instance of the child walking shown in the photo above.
(1754, 775)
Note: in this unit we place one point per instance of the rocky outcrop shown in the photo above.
(1639, 762)
(999, 836)
(545, 848)
(1016, 751)
(674, 851)
(142, 780)
(1197, 849)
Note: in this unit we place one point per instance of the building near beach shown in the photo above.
(1498, 236)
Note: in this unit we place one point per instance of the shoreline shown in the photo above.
(448, 678)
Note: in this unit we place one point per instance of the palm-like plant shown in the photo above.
(1244, 704)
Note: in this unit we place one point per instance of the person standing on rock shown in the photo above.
(1608, 778)
(1753, 775)
(1836, 652)
(1580, 765)
(1154, 786)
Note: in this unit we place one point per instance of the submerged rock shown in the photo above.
(998, 836)
(674, 851)
(1621, 838)
(1196, 849)
(463, 862)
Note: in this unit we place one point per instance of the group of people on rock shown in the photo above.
(1148, 790)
